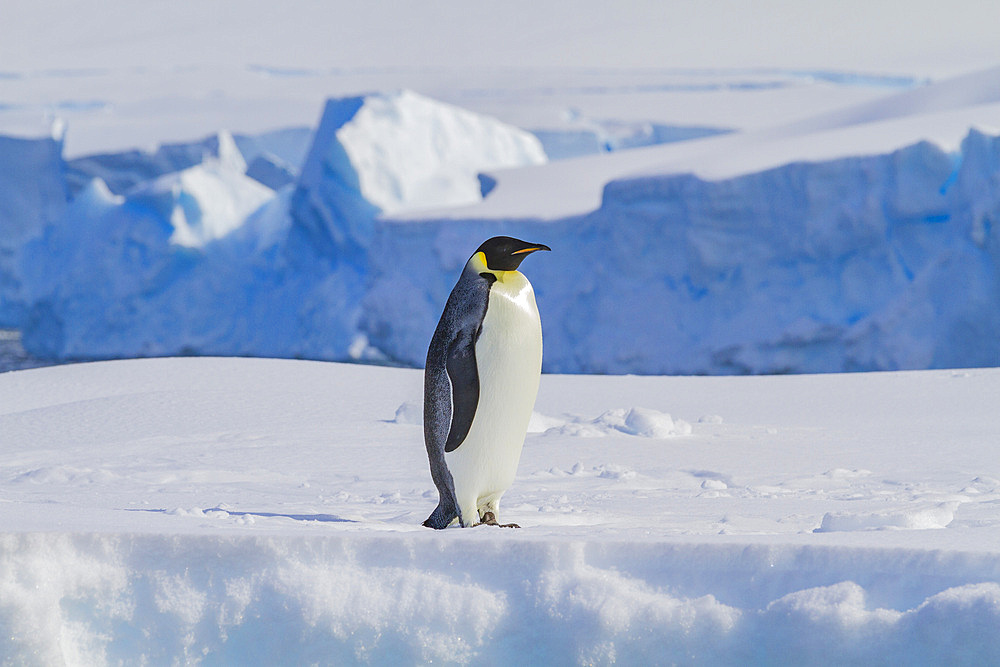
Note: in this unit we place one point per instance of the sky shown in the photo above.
(126, 75)
(934, 37)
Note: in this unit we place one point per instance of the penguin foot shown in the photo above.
(490, 519)
(440, 518)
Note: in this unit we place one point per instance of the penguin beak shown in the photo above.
(524, 251)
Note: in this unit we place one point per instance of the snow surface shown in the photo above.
(212, 511)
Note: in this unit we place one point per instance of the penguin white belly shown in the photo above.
(509, 361)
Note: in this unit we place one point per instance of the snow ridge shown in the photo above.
(466, 599)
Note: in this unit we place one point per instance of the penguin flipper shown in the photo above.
(464, 376)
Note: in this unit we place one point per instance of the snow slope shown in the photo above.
(214, 511)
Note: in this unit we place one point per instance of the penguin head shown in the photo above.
(503, 253)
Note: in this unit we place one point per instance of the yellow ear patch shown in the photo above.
(478, 262)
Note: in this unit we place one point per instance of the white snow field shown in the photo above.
(247, 511)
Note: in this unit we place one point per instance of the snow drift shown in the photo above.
(104, 599)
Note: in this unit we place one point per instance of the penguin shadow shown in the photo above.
(323, 518)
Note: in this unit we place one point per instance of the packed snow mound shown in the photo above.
(403, 151)
(912, 518)
(637, 421)
(410, 412)
(642, 422)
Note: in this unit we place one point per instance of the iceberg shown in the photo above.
(396, 152)
(283, 150)
(203, 203)
(208, 260)
(404, 151)
(878, 262)
(872, 262)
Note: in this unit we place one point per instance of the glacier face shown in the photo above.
(33, 194)
(864, 263)
(207, 260)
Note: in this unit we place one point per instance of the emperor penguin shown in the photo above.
(480, 382)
